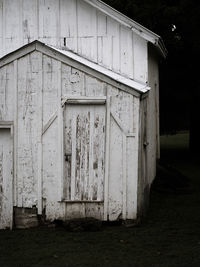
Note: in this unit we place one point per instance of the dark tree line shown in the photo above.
(178, 22)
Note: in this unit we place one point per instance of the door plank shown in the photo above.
(73, 165)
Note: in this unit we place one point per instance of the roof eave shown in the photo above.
(161, 47)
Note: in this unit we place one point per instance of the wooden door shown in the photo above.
(84, 147)
(6, 163)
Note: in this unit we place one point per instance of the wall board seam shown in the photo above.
(107, 159)
(15, 131)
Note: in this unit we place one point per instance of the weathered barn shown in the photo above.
(79, 116)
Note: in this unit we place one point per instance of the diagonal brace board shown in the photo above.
(121, 126)
(50, 121)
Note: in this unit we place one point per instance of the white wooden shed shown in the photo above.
(79, 117)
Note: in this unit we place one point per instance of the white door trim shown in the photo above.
(9, 125)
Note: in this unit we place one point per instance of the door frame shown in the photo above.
(79, 100)
(9, 125)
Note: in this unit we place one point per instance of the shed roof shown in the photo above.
(145, 33)
(80, 63)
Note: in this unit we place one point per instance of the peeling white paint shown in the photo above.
(77, 124)
(6, 178)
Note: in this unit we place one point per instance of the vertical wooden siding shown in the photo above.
(77, 25)
(153, 134)
(149, 135)
(29, 118)
(123, 155)
(36, 82)
(6, 178)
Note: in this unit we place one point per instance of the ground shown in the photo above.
(169, 236)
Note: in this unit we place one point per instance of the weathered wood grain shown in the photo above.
(140, 61)
(68, 30)
(48, 21)
(29, 69)
(73, 82)
(76, 137)
(30, 21)
(87, 30)
(81, 27)
(84, 210)
(6, 178)
(6, 93)
(15, 121)
(132, 163)
(86, 178)
(84, 135)
(123, 152)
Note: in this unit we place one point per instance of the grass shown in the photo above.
(170, 235)
(175, 142)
